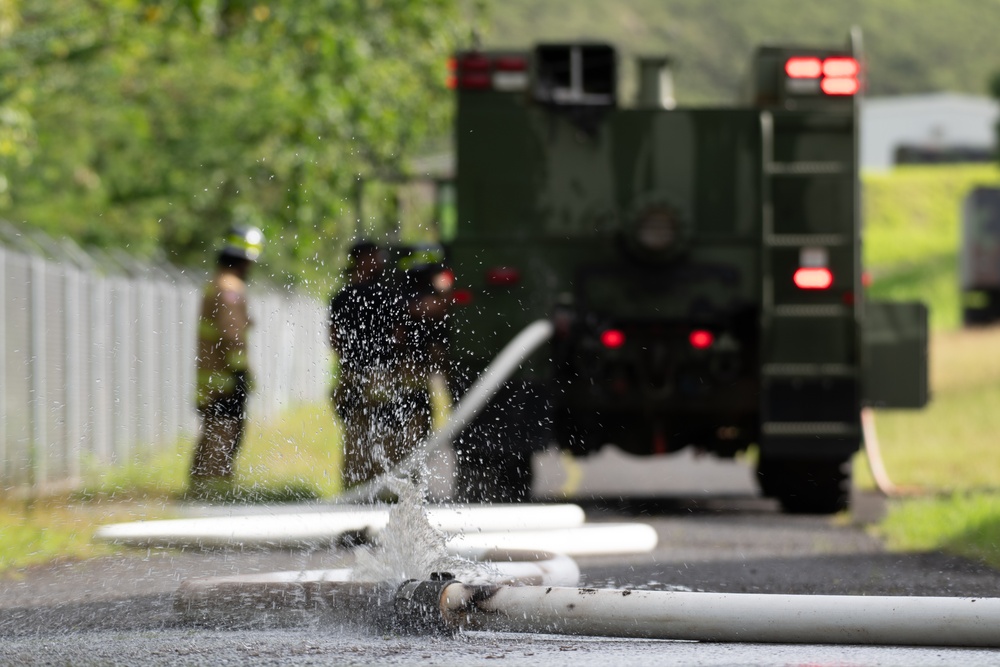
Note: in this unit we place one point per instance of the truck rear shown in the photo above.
(701, 269)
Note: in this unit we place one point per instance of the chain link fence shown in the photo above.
(97, 359)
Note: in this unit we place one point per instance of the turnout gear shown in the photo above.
(224, 377)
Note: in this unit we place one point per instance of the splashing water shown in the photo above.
(409, 547)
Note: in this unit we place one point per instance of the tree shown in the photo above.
(157, 124)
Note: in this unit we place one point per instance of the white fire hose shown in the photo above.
(721, 617)
(531, 591)
(443, 604)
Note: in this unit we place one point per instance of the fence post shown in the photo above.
(38, 362)
(73, 331)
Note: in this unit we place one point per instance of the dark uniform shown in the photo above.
(427, 284)
(379, 397)
(223, 374)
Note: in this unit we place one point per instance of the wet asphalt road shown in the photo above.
(715, 536)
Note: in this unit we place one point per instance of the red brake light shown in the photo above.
(474, 72)
(837, 67)
(500, 276)
(803, 68)
(475, 63)
(839, 85)
(475, 81)
(813, 278)
(701, 339)
(510, 64)
(612, 338)
(462, 297)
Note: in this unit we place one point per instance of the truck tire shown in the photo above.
(805, 486)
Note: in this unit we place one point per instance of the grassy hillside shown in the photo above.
(912, 45)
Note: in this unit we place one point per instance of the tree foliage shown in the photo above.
(156, 124)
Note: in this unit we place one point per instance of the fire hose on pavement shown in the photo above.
(535, 591)
(443, 604)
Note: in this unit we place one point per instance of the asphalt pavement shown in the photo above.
(715, 535)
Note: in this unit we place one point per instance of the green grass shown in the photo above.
(913, 233)
(964, 524)
(297, 457)
(947, 453)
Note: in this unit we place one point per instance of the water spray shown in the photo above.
(515, 353)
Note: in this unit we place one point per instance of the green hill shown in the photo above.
(911, 46)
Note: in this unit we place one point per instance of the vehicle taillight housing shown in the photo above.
(502, 276)
(803, 68)
(813, 278)
(835, 75)
(612, 338)
(478, 71)
(701, 339)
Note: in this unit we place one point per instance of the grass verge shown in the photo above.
(296, 457)
(966, 524)
(948, 452)
(913, 233)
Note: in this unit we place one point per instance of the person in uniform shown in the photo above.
(426, 284)
(366, 333)
(223, 371)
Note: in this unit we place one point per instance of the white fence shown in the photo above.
(97, 359)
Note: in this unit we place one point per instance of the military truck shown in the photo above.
(701, 268)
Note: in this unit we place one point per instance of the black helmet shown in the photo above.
(243, 242)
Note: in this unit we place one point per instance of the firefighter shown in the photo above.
(375, 396)
(427, 285)
(224, 378)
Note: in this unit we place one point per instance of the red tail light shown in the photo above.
(502, 276)
(813, 278)
(473, 72)
(462, 297)
(701, 339)
(846, 67)
(474, 63)
(839, 86)
(475, 81)
(837, 75)
(803, 68)
(612, 338)
(510, 64)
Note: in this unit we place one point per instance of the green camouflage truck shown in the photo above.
(701, 268)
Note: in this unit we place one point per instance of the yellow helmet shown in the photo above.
(243, 241)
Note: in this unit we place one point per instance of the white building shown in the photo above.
(935, 120)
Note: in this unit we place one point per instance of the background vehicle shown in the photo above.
(701, 268)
